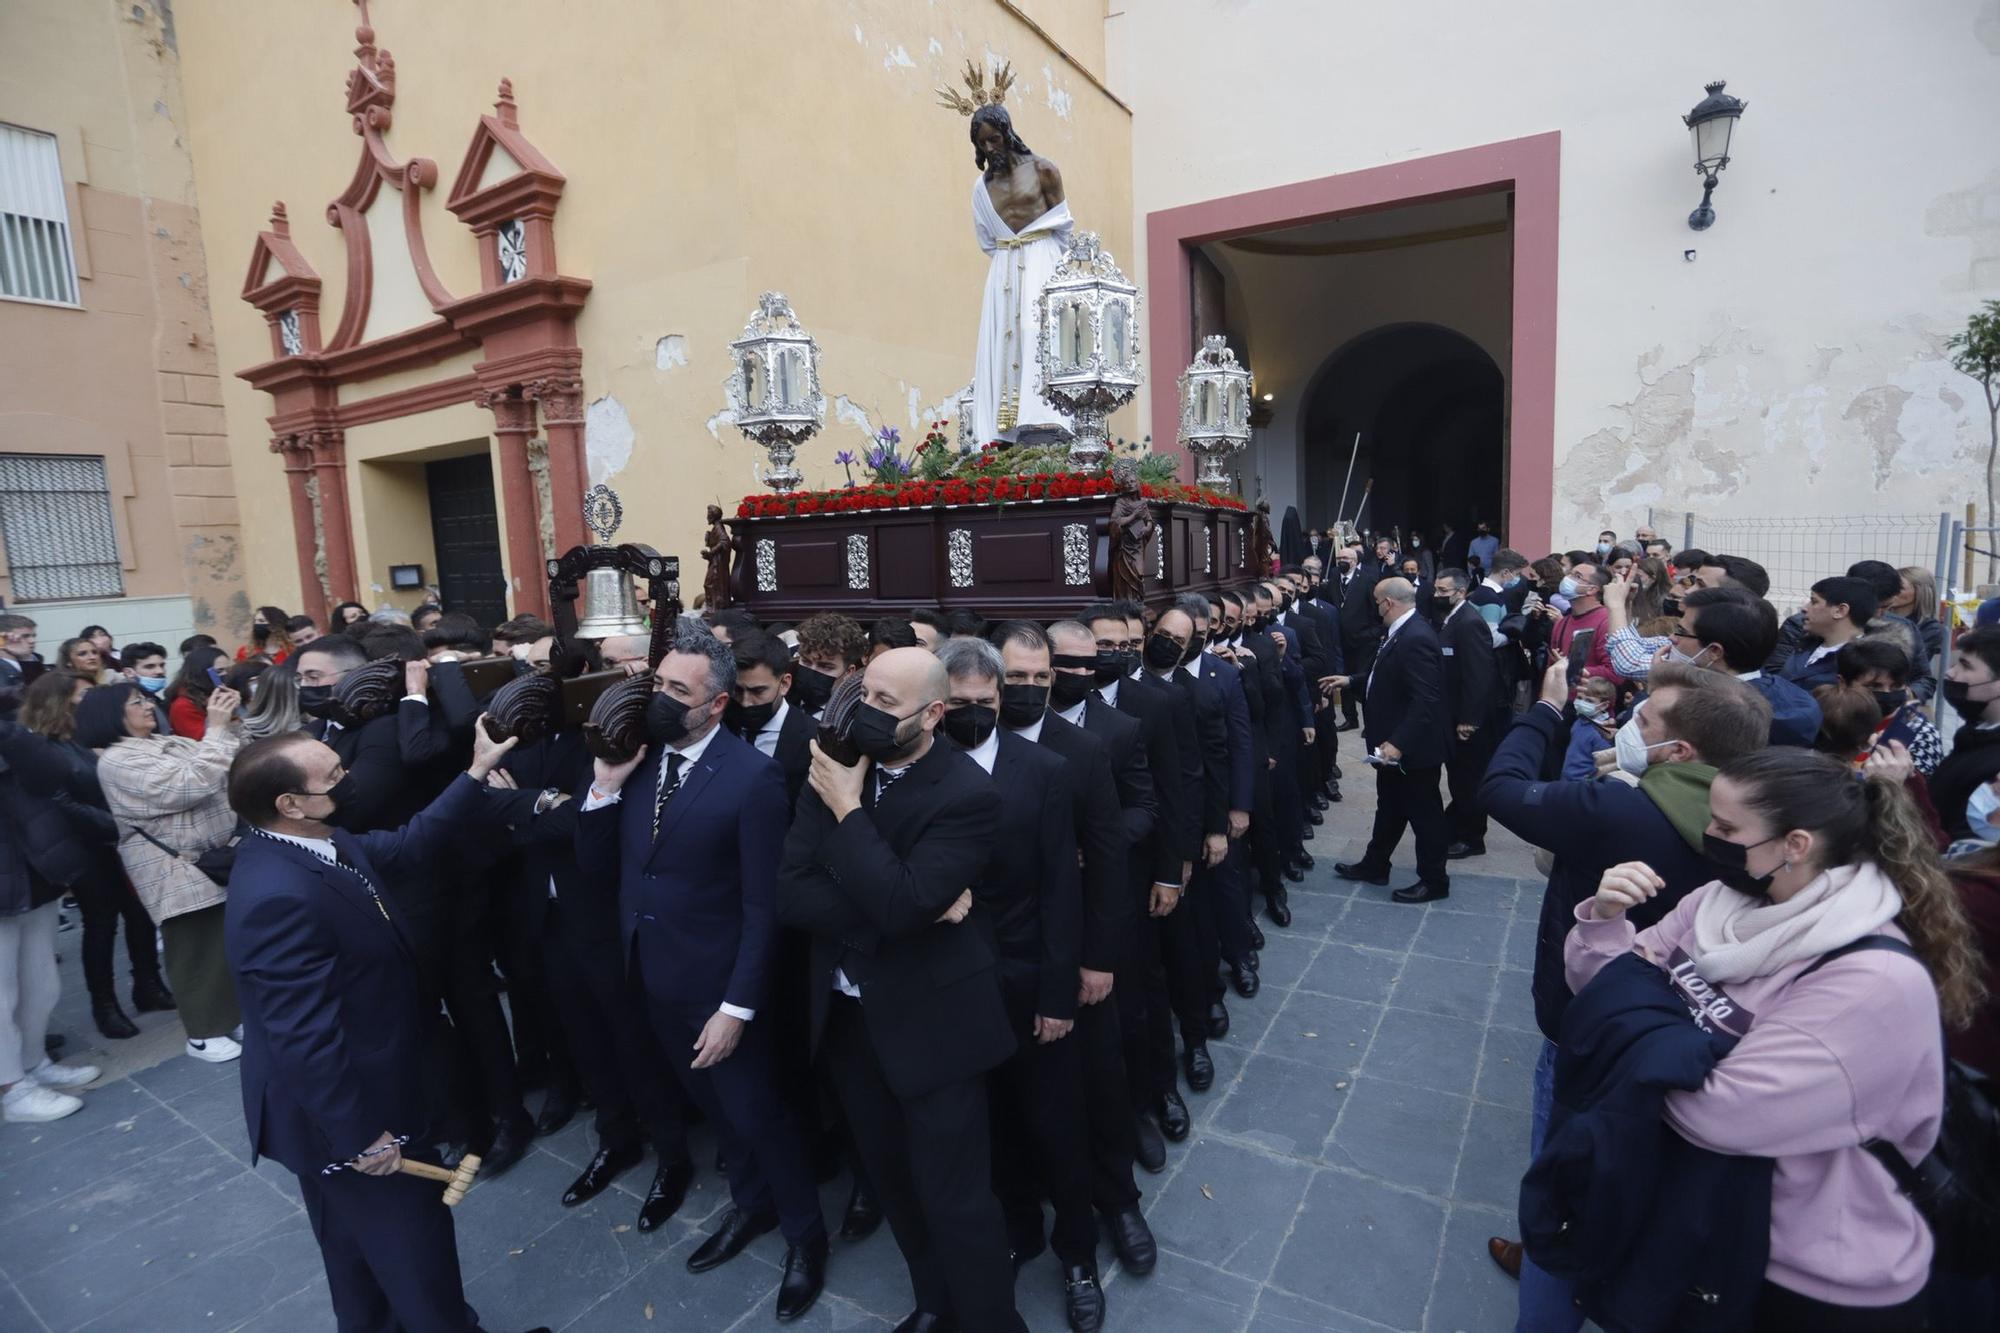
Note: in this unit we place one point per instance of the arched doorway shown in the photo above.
(1429, 407)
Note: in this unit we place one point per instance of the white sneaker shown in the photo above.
(215, 1050)
(52, 1075)
(236, 1034)
(28, 1102)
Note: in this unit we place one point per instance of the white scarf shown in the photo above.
(1737, 937)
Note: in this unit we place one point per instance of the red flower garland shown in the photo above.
(919, 494)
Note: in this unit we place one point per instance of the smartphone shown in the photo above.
(215, 678)
(1579, 653)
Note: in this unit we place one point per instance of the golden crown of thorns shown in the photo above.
(975, 82)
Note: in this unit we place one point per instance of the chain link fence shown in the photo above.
(1799, 552)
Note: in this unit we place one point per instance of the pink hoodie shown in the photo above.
(1851, 1053)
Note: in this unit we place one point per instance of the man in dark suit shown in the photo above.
(1223, 912)
(1033, 890)
(695, 856)
(1472, 705)
(760, 713)
(336, 1033)
(1406, 733)
(1106, 771)
(575, 918)
(907, 1008)
(1352, 589)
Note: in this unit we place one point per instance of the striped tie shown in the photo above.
(670, 782)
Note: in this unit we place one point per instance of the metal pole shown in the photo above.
(1687, 530)
(1367, 489)
(1353, 454)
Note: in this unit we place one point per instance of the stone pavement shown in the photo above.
(1365, 1134)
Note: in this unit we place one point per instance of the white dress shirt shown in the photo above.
(1109, 693)
(323, 848)
(1033, 731)
(766, 739)
(987, 752)
(1073, 714)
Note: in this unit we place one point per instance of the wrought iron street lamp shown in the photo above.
(774, 389)
(1713, 125)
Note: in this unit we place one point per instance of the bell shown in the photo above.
(609, 606)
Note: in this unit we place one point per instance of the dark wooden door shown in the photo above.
(466, 533)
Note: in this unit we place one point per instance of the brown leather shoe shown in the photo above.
(1506, 1253)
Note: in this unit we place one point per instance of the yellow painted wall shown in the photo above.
(713, 151)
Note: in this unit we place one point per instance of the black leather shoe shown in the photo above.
(1360, 871)
(1278, 908)
(738, 1229)
(1218, 1021)
(864, 1214)
(1245, 979)
(1083, 1299)
(1151, 1149)
(1313, 816)
(1199, 1068)
(663, 1199)
(1133, 1241)
(1294, 874)
(1175, 1122)
(1348, 726)
(1256, 935)
(1251, 960)
(805, 1277)
(111, 1020)
(1459, 851)
(510, 1145)
(558, 1109)
(1333, 793)
(606, 1166)
(151, 996)
(1307, 833)
(1422, 893)
(920, 1321)
(1304, 860)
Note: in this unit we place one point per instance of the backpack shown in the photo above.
(1956, 1187)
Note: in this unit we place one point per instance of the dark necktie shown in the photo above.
(676, 761)
(886, 778)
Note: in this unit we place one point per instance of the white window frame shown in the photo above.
(34, 201)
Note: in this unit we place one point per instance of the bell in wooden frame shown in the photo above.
(774, 387)
(610, 606)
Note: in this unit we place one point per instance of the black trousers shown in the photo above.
(105, 899)
(768, 1166)
(1409, 799)
(618, 1060)
(1360, 658)
(928, 1157)
(1131, 994)
(1463, 772)
(1226, 921)
(1781, 1310)
(390, 1253)
(539, 1039)
(1107, 1102)
(1041, 1137)
(1176, 992)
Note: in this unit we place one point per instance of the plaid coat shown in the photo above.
(176, 790)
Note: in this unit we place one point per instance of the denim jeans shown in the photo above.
(1547, 1302)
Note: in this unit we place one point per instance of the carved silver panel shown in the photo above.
(1076, 555)
(958, 556)
(857, 561)
(1160, 550)
(1242, 547)
(288, 332)
(767, 565)
(1207, 549)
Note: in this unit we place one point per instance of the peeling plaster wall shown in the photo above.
(706, 163)
(1795, 365)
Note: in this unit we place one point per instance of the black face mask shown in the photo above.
(260, 632)
(1162, 653)
(748, 719)
(1890, 700)
(810, 689)
(666, 719)
(877, 734)
(1670, 605)
(1730, 861)
(1958, 693)
(1344, 569)
(1068, 689)
(1023, 705)
(970, 724)
(1441, 603)
(340, 793)
(316, 700)
(1110, 666)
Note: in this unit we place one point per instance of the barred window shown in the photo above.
(36, 263)
(55, 516)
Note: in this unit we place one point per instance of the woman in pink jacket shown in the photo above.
(1810, 857)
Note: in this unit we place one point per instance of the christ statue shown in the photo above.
(1022, 222)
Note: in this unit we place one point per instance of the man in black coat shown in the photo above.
(1033, 890)
(1352, 589)
(760, 713)
(1472, 704)
(907, 1007)
(1406, 738)
(336, 1036)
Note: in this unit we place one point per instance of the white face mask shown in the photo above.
(1674, 654)
(1589, 709)
(1635, 755)
(1979, 811)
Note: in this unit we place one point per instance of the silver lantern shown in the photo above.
(774, 390)
(1089, 344)
(1215, 410)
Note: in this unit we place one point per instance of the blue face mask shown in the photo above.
(1979, 812)
(153, 684)
(1512, 581)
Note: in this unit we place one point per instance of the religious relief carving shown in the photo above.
(512, 414)
(857, 561)
(1262, 548)
(561, 399)
(545, 501)
(1132, 527)
(718, 547)
(321, 570)
(767, 565)
(1076, 555)
(958, 557)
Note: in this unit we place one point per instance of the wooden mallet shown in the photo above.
(456, 1183)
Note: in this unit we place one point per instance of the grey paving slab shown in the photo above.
(1365, 1134)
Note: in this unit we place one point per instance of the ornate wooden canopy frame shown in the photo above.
(522, 320)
